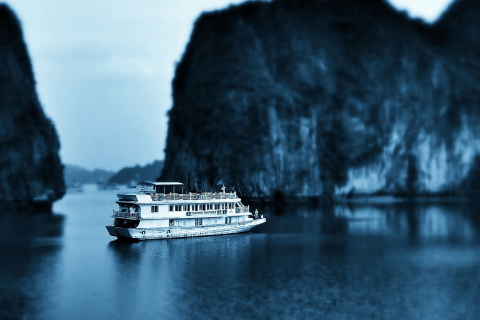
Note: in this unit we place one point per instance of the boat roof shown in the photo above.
(156, 183)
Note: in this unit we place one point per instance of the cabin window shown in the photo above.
(171, 222)
(170, 208)
(228, 220)
(154, 208)
(177, 208)
(198, 222)
(196, 207)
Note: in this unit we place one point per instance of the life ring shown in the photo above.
(197, 197)
(160, 197)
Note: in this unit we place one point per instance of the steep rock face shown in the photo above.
(309, 98)
(30, 167)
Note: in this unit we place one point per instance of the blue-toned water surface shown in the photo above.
(363, 261)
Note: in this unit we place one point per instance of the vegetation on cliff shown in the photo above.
(307, 98)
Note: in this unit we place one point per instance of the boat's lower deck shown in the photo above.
(183, 232)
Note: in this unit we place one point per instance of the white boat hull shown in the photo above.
(182, 232)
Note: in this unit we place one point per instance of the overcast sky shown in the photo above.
(104, 70)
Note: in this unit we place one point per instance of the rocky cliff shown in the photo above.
(30, 169)
(308, 98)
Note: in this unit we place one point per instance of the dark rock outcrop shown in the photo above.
(30, 169)
(308, 98)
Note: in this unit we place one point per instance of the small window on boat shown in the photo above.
(170, 208)
(198, 222)
(196, 207)
(154, 208)
(177, 208)
(228, 220)
(171, 222)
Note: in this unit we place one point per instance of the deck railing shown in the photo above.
(242, 209)
(124, 214)
(194, 196)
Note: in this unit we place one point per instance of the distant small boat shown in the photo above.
(154, 213)
(75, 188)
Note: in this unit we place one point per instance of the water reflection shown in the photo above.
(397, 261)
(174, 275)
(363, 261)
(416, 221)
(412, 220)
(30, 247)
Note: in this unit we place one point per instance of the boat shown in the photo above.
(156, 211)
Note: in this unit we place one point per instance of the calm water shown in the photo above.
(350, 262)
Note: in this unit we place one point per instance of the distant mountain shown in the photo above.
(310, 98)
(131, 175)
(76, 175)
(31, 173)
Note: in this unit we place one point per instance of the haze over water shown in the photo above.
(395, 261)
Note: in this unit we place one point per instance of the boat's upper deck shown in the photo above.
(158, 191)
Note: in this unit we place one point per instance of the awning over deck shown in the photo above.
(160, 184)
